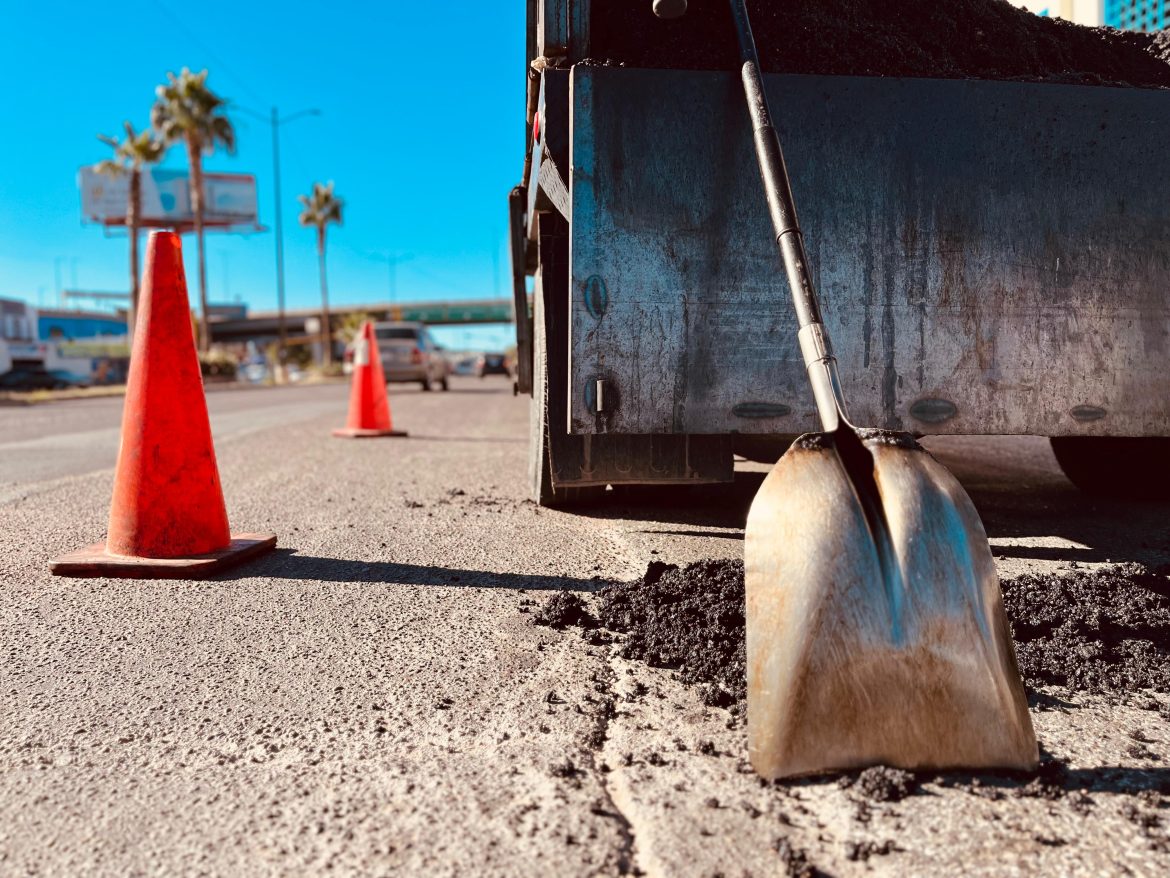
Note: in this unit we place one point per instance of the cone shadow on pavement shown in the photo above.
(167, 516)
(369, 404)
(341, 573)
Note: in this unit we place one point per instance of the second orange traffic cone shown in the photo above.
(369, 405)
(167, 517)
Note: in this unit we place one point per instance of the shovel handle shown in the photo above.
(819, 361)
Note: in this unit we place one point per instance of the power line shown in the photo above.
(219, 65)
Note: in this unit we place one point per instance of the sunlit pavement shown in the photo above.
(374, 699)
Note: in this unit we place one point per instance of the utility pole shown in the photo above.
(57, 280)
(280, 348)
(392, 261)
(274, 119)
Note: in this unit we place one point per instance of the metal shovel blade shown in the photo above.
(875, 628)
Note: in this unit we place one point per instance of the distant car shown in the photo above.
(69, 379)
(254, 371)
(492, 364)
(467, 366)
(24, 378)
(410, 354)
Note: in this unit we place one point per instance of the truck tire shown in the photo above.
(550, 370)
(540, 438)
(1125, 467)
(426, 382)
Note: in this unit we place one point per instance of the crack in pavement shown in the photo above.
(606, 713)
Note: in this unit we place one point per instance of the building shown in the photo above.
(82, 347)
(1143, 15)
(1140, 15)
(1087, 12)
(59, 324)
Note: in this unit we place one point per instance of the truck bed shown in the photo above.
(993, 257)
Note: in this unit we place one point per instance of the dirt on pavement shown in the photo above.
(1099, 633)
(1103, 631)
(690, 618)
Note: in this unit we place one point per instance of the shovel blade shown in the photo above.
(855, 658)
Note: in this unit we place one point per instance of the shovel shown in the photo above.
(875, 627)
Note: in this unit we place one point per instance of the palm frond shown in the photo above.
(110, 168)
(136, 150)
(321, 206)
(185, 109)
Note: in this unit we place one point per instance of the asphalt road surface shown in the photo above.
(373, 698)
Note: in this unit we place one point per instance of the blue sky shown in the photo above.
(421, 130)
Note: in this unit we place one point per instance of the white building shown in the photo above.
(1088, 12)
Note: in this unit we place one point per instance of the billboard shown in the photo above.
(228, 199)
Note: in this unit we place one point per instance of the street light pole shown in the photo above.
(392, 261)
(280, 350)
(274, 119)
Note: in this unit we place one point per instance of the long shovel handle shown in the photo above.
(819, 361)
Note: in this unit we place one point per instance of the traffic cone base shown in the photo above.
(359, 433)
(99, 561)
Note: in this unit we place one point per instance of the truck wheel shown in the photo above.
(445, 384)
(549, 370)
(1126, 467)
(540, 440)
(426, 382)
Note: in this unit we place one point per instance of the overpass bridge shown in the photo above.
(264, 326)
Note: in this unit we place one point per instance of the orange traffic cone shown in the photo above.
(167, 518)
(369, 406)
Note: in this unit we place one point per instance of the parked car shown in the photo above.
(467, 366)
(410, 354)
(492, 364)
(66, 378)
(28, 378)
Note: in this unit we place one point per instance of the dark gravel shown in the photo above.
(689, 618)
(1104, 631)
(881, 783)
(955, 39)
(563, 609)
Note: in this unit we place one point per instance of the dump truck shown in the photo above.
(993, 258)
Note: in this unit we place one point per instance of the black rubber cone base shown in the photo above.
(96, 561)
(356, 433)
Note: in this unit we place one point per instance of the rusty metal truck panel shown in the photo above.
(994, 257)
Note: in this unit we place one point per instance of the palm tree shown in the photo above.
(131, 155)
(322, 207)
(186, 110)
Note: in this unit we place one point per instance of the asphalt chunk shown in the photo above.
(1105, 631)
(690, 619)
(881, 783)
(564, 609)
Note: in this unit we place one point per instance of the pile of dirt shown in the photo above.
(956, 39)
(689, 618)
(563, 609)
(881, 783)
(1103, 631)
